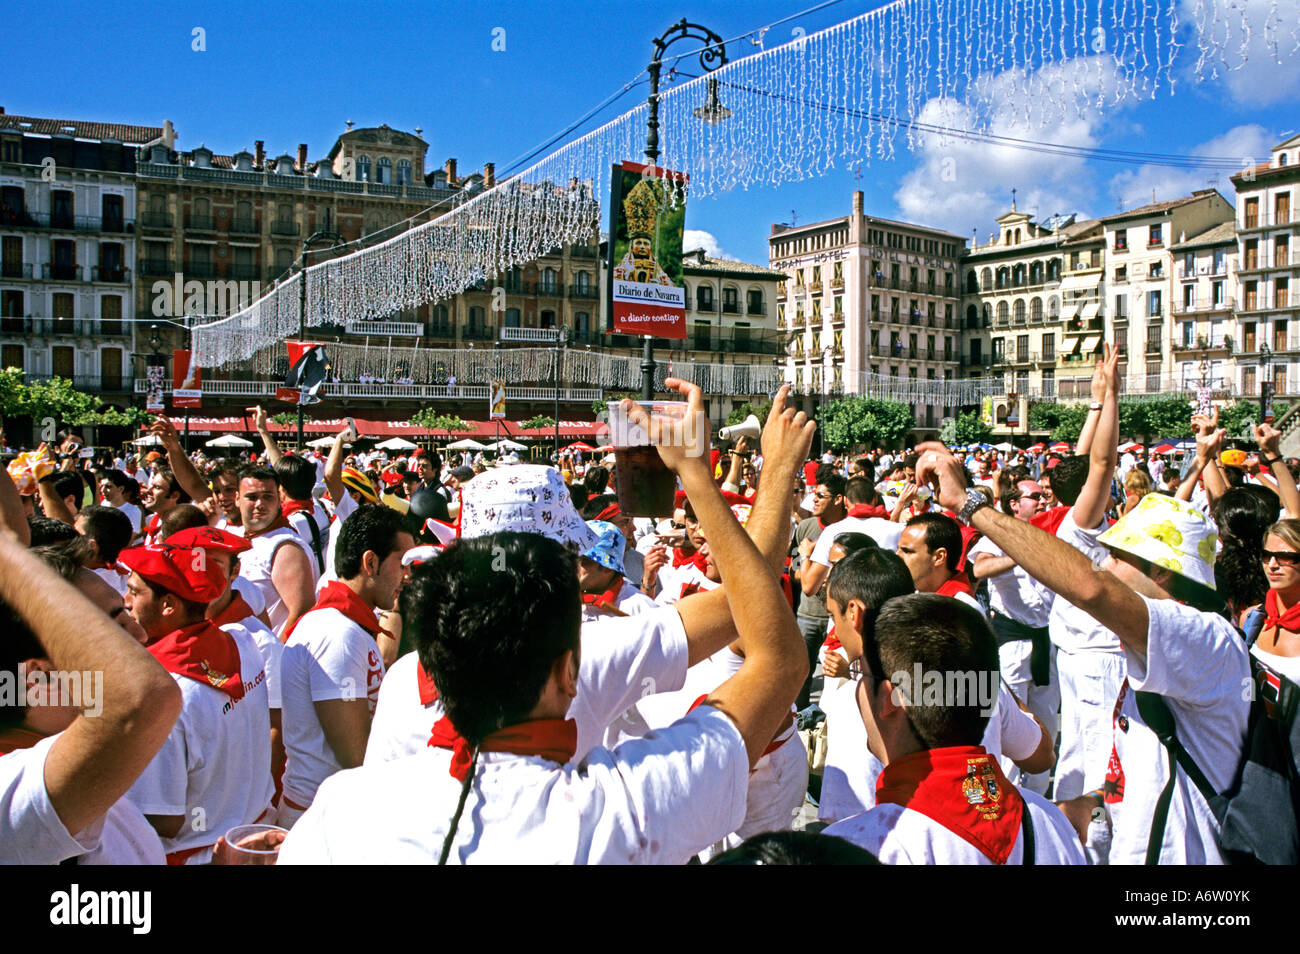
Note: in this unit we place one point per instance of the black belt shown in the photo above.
(1008, 630)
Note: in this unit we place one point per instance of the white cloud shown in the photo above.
(963, 184)
(1254, 48)
(698, 238)
(1246, 144)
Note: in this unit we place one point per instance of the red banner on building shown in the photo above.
(187, 382)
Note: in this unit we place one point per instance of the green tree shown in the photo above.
(1063, 421)
(856, 420)
(969, 428)
(746, 409)
(428, 417)
(541, 420)
(601, 406)
(285, 418)
(1161, 417)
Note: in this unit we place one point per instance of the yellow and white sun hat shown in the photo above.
(1168, 533)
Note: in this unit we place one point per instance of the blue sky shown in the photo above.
(289, 72)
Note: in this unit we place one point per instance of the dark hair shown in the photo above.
(941, 531)
(909, 462)
(173, 486)
(1243, 516)
(47, 530)
(225, 468)
(872, 575)
(115, 477)
(795, 848)
(193, 610)
(297, 475)
(1068, 478)
(850, 541)
(258, 472)
(953, 641)
(822, 472)
(131, 490)
(595, 505)
(596, 479)
(429, 455)
(860, 490)
(370, 527)
(182, 517)
(579, 495)
(110, 528)
(835, 483)
(70, 485)
(1011, 492)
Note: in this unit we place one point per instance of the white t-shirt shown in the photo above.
(30, 830)
(114, 579)
(255, 566)
(622, 659)
(1011, 733)
(301, 522)
(215, 767)
(884, 532)
(327, 657)
(132, 511)
(342, 510)
(656, 800)
(1015, 594)
(688, 574)
(271, 649)
(1070, 628)
(252, 594)
(630, 601)
(1198, 662)
(902, 836)
(128, 839)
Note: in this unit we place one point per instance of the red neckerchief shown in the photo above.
(1289, 621)
(689, 589)
(16, 737)
(290, 507)
(1050, 520)
(151, 528)
(428, 691)
(961, 788)
(338, 595)
(607, 601)
(236, 612)
(832, 641)
(954, 586)
(553, 739)
(204, 653)
(1113, 790)
(681, 559)
(279, 523)
(868, 510)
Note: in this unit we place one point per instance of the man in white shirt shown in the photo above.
(279, 564)
(866, 515)
(332, 667)
(502, 648)
(214, 771)
(1193, 658)
(931, 547)
(112, 487)
(108, 531)
(941, 797)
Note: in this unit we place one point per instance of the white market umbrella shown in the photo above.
(321, 442)
(1004, 446)
(149, 440)
(228, 440)
(466, 443)
(504, 445)
(397, 443)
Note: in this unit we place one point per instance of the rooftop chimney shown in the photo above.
(450, 169)
(302, 158)
(489, 174)
(259, 153)
(857, 203)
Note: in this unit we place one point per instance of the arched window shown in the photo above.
(363, 168)
(1036, 309)
(1054, 270)
(1053, 308)
(384, 170)
(1036, 273)
(403, 171)
(1002, 312)
(1018, 275)
(1019, 311)
(972, 283)
(986, 280)
(1004, 277)
(440, 315)
(1281, 158)
(1016, 240)
(972, 315)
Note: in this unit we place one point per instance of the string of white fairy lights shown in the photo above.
(831, 99)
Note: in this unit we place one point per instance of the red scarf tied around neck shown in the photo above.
(339, 596)
(1289, 621)
(204, 653)
(607, 601)
(961, 788)
(553, 739)
(868, 510)
(236, 612)
(290, 507)
(695, 557)
(954, 586)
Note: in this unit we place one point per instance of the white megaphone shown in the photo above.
(749, 427)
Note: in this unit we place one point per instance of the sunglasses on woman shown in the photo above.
(1283, 557)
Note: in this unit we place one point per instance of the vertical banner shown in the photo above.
(986, 411)
(187, 382)
(308, 369)
(496, 399)
(1266, 398)
(646, 292)
(156, 376)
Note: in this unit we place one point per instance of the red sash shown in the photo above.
(1289, 621)
(954, 586)
(290, 507)
(338, 595)
(554, 739)
(607, 601)
(961, 788)
(236, 612)
(204, 653)
(868, 510)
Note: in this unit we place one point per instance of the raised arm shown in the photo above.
(1268, 438)
(273, 452)
(97, 758)
(334, 467)
(187, 475)
(12, 518)
(1103, 456)
(1089, 430)
(1209, 441)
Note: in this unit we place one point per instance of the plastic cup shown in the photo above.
(248, 845)
(646, 486)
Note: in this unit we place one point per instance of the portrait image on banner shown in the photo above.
(187, 381)
(155, 376)
(496, 399)
(647, 218)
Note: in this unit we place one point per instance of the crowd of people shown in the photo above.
(928, 656)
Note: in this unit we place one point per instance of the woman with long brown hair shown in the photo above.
(1278, 646)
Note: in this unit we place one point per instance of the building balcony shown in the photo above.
(1203, 307)
(396, 329)
(156, 221)
(478, 333)
(286, 228)
(155, 266)
(61, 273)
(583, 293)
(15, 270)
(343, 391)
(200, 223)
(244, 227)
(1089, 324)
(1028, 357)
(113, 276)
(1262, 264)
(439, 329)
(67, 223)
(35, 325)
(1153, 346)
(837, 284)
(1048, 357)
(517, 286)
(1267, 220)
(200, 270)
(549, 291)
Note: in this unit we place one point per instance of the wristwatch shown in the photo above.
(974, 501)
(1095, 406)
(1270, 461)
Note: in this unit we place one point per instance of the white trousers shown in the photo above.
(1043, 701)
(1090, 684)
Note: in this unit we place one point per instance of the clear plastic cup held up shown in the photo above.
(644, 482)
(250, 845)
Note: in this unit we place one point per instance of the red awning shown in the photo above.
(381, 429)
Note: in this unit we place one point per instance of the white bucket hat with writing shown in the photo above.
(525, 498)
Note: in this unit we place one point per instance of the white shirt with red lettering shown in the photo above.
(656, 800)
(270, 647)
(328, 657)
(215, 767)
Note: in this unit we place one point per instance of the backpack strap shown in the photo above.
(1159, 719)
(1026, 834)
(315, 542)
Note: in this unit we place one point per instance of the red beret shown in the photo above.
(179, 570)
(209, 538)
